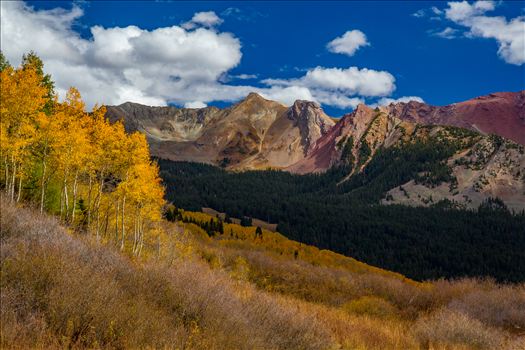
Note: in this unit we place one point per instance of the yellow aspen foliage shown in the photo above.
(21, 103)
(77, 164)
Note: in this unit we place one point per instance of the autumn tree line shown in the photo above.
(75, 163)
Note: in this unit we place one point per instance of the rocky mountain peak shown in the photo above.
(254, 97)
(311, 120)
(362, 109)
(358, 120)
(302, 104)
(254, 103)
(257, 133)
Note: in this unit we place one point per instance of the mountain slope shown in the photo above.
(473, 168)
(255, 133)
(419, 242)
(61, 290)
(501, 113)
(258, 133)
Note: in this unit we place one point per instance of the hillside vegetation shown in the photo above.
(419, 242)
(235, 290)
(356, 185)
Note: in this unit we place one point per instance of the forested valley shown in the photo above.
(420, 242)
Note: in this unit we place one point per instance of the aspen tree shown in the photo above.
(78, 157)
(21, 102)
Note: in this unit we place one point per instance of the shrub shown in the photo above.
(451, 328)
(63, 291)
(371, 306)
(502, 306)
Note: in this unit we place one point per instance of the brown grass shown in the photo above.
(61, 289)
(451, 328)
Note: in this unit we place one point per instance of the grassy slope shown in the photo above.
(189, 291)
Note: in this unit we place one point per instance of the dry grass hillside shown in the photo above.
(235, 290)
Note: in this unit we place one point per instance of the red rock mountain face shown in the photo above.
(501, 113)
(325, 153)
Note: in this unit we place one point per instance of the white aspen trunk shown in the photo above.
(97, 231)
(123, 217)
(141, 237)
(123, 225)
(134, 234)
(13, 181)
(43, 182)
(99, 195)
(106, 221)
(6, 174)
(137, 233)
(89, 203)
(43, 185)
(8, 179)
(61, 202)
(19, 189)
(74, 198)
(66, 197)
(117, 209)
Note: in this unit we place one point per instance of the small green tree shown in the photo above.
(31, 59)
(258, 232)
(4, 63)
(171, 213)
(246, 221)
(220, 226)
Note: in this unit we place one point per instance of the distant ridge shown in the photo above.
(255, 133)
(501, 113)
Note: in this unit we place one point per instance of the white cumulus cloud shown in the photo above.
(341, 87)
(195, 104)
(119, 64)
(460, 11)
(350, 81)
(165, 65)
(348, 43)
(385, 101)
(447, 33)
(509, 34)
(206, 19)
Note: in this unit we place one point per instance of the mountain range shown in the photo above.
(253, 134)
(485, 136)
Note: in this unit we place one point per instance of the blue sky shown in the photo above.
(407, 44)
